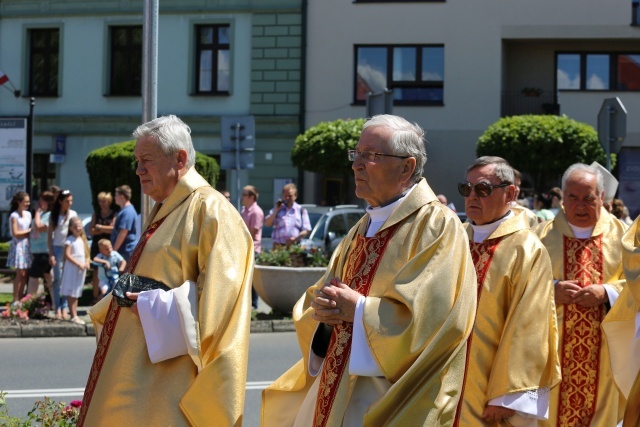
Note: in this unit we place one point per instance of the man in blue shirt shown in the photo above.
(125, 231)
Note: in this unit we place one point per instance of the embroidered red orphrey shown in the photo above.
(362, 264)
(581, 339)
(482, 255)
(110, 325)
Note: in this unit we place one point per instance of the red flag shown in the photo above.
(3, 78)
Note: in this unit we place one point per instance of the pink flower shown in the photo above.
(76, 403)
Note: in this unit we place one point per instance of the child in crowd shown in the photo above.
(112, 264)
(19, 252)
(76, 263)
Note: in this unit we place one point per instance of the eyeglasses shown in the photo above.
(482, 189)
(369, 156)
(246, 194)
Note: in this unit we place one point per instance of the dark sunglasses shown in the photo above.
(482, 189)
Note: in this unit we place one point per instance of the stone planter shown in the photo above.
(282, 287)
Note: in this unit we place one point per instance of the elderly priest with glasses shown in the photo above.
(513, 360)
(383, 334)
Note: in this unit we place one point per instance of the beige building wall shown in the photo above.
(491, 48)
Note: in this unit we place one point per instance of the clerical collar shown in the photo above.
(581, 232)
(481, 232)
(395, 199)
(379, 214)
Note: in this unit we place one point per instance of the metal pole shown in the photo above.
(238, 194)
(149, 77)
(608, 145)
(28, 175)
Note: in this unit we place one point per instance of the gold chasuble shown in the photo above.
(586, 395)
(361, 268)
(202, 238)
(513, 345)
(620, 328)
(532, 219)
(418, 315)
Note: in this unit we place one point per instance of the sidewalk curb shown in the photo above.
(25, 330)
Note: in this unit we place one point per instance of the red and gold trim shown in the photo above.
(581, 340)
(482, 255)
(362, 264)
(109, 327)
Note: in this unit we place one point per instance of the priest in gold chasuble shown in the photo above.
(513, 358)
(622, 328)
(173, 336)
(383, 334)
(583, 241)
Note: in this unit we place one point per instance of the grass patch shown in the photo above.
(6, 299)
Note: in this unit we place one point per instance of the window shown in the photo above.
(213, 59)
(44, 51)
(415, 73)
(125, 77)
(396, 1)
(44, 173)
(598, 71)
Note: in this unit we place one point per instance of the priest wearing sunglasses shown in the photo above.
(513, 361)
(584, 242)
(383, 334)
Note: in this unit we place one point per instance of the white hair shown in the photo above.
(171, 133)
(582, 168)
(407, 139)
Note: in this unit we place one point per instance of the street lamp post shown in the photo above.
(29, 172)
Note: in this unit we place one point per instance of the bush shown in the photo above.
(47, 414)
(293, 256)
(323, 148)
(543, 146)
(114, 165)
(30, 307)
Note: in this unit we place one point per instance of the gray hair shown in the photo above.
(407, 139)
(582, 168)
(171, 133)
(501, 168)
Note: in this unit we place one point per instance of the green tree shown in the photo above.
(323, 148)
(114, 165)
(543, 146)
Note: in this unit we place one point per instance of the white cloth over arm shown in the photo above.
(168, 322)
(532, 404)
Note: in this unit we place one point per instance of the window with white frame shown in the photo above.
(212, 59)
(598, 71)
(415, 73)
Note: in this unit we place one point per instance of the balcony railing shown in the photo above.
(516, 103)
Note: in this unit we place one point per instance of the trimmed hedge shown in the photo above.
(114, 165)
(323, 148)
(543, 146)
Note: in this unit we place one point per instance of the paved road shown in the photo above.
(58, 367)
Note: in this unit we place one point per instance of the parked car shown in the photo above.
(327, 222)
(331, 227)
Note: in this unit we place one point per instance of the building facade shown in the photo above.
(457, 67)
(81, 60)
